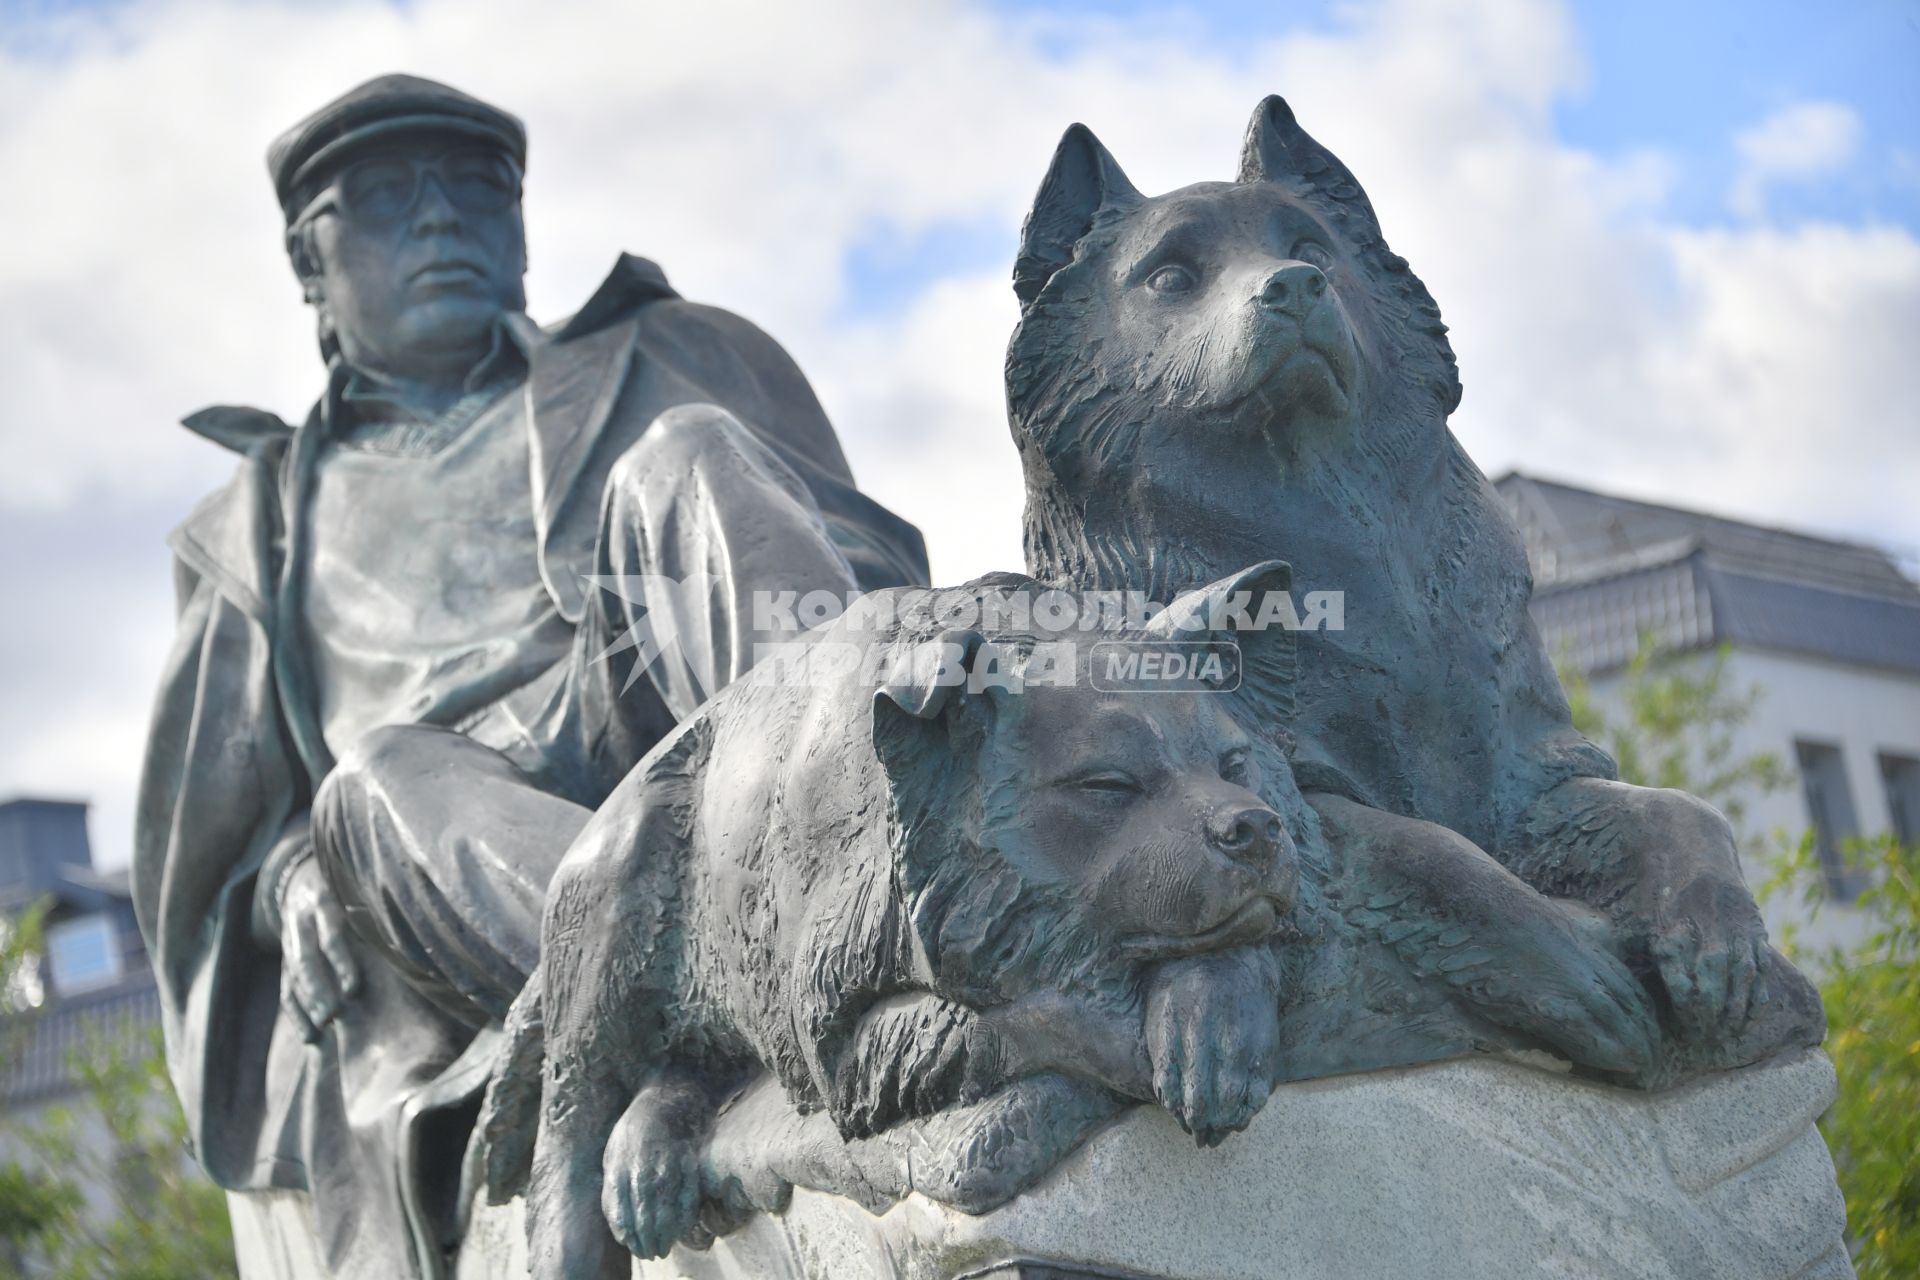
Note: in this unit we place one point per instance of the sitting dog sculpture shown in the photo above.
(1240, 370)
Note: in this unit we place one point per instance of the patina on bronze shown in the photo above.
(1270, 379)
(420, 819)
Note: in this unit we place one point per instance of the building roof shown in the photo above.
(1608, 568)
(45, 854)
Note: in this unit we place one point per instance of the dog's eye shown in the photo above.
(1172, 278)
(1107, 783)
(1233, 765)
(1312, 251)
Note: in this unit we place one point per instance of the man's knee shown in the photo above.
(683, 437)
(698, 439)
(377, 759)
(355, 802)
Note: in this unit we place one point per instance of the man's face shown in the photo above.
(418, 255)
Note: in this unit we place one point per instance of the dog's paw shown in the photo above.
(651, 1197)
(1565, 985)
(1710, 949)
(651, 1175)
(1213, 1043)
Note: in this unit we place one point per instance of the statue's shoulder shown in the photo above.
(229, 536)
(633, 284)
(636, 295)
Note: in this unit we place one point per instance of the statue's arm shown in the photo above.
(216, 787)
(217, 790)
(226, 694)
(197, 610)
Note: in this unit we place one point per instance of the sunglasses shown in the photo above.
(384, 189)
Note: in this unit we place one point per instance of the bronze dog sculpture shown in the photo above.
(902, 897)
(1234, 371)
(895, 902)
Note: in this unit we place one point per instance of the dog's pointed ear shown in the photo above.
(1277, 149)
(918, 708)
(1083, 179)
(918, 690)
(922, 680)
(1253, 611)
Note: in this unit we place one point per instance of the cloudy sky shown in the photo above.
(1677, 244)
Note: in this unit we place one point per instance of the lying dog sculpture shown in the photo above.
(908, 902)
(894, 902)
(1240, 370)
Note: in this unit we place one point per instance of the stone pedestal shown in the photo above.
(1467, 1170)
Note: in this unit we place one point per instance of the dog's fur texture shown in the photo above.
(895, 903)
(1236, 371)
(981, 923)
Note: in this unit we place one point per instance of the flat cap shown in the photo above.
(383, 107)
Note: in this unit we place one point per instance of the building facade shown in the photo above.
(91, 980)
(1825, 632)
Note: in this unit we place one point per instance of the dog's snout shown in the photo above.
(1293, 288)
(1251, 835)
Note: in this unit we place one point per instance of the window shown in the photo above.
(1902, 776)
(83, 954)
(1830, 807)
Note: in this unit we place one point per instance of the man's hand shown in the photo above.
(317, 969)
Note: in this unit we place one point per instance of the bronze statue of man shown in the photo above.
(390, 706)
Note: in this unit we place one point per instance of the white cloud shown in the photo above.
(940, 431)
(1792, 376)
(1805, 140)
(748, 147)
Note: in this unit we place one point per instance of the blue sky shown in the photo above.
(1682, 79)
(1687, 77)
(1681, 76)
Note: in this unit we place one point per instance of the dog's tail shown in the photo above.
(510, 1114)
